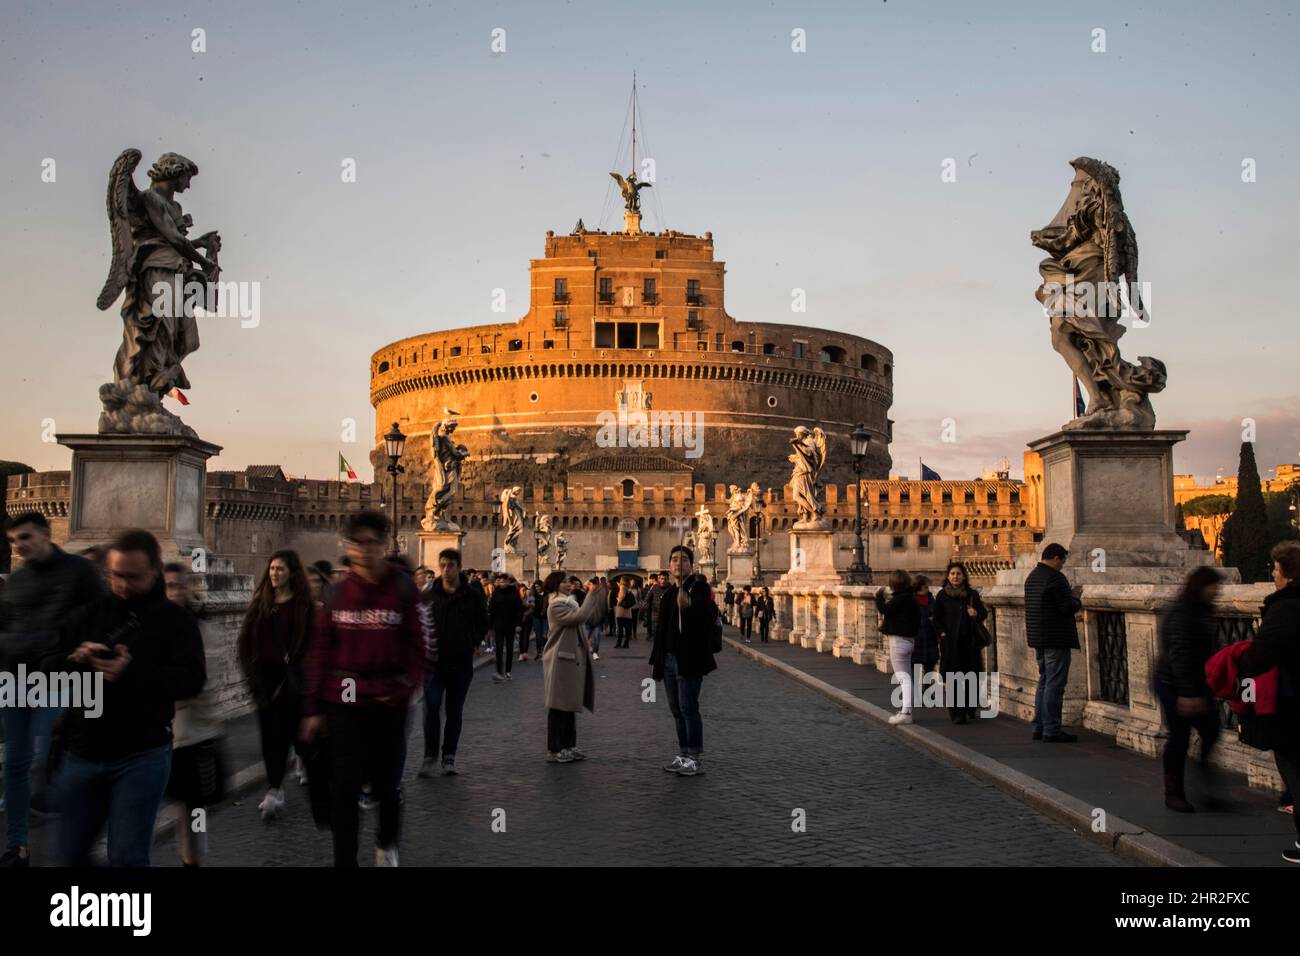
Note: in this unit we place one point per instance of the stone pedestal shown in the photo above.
(514, 564)
(812, 558)
(432, 542)
(631, 223)
(710, 571)
(1108, 498)
(154, 482)
(740, 567)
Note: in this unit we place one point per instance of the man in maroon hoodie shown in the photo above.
(367, 657)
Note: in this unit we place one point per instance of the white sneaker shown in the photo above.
(676, 764)
(271, 805)
(386, 857)
(690, 768)
(902, 717)
(595, 656)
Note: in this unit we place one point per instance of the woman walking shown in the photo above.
(765, 613)
(957, 610)
(745, 604)
(568, 684)
(1186, 643)
(926, 651)
(900, 621)
(271, 647)
(623, 614)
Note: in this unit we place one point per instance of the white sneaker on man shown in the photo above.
(902, 717)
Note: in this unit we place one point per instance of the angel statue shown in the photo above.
(512, 518)
(808, 458)
(1090, 281)
(561, 550)
(631, 189)
(162, 272)
(447, 456)
(542, 534)
(739, 508)
(705, 535)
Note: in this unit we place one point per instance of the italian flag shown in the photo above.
(177, 394)
(345, 468)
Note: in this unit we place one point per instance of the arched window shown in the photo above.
(629, 488)
(832, 353)
(383, 367)
(870, 364)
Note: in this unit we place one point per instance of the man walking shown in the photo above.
(658, 584)
(457, 614)
(1050, 607)
(367, 656)
(506, 611)
(144, 652)
(38, 600)
(682, 655)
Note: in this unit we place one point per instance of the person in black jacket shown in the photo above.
(39, 598)
(457, 616)
(900, 622)
(925, 652)
(682, 656)
(1050, 607)
(506, 612)
(956, 610)
(1277, 644)
(148, 652)
(1186, 643)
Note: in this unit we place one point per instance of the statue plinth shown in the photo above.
(1108, 498)
(812, 558)
(513, 564)
(432, 542)
(632, 223)
(154, 482)
(740, 566)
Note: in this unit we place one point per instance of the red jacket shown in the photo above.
(1221, 675)
(369, 644)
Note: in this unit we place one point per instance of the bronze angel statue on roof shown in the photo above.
(156, 265)
(631, 189)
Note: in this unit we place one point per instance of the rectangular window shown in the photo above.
(561, 291)
(659, 253)
(947, 496)
(677, 341)
(925, 496)
(969, 498)
(995, 539)
(702, 345)
(798, 349)
(454, 352)
(717, 342)
(898, 542)
(904, 495)
(1015, 492)
(883, 497)
(693, 320)
(627, 335)
(605, 335)
(648, 294)
(649, 335)
(925, 541)
(606, 291)
(548, 343)
(693, 292)
(561, 319)
(992, 498)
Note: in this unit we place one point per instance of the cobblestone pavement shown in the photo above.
(772, 747)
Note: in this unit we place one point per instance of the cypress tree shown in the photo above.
(1246, 547)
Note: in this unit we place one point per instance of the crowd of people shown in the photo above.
(335, 659)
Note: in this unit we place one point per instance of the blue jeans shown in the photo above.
(1053, 672)
(453, 687)
(594, 633)
(27, 751)
(684, 702)
(125, 792)
(539, 631)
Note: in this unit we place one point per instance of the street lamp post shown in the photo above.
(760, 521)
(394, 444)
(859, 441)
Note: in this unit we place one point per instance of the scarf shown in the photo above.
(959, 593)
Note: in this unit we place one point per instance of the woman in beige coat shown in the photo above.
(567, 679)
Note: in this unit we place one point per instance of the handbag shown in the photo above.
(981, 633)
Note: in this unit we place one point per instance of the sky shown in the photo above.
(818, 170)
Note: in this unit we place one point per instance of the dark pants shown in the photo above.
(368, 741)
(1053, 672)
(684, 703)
(649, 624)
(1180, 729)
(538, 627)
(505, 641)
(561, 730)
(624, 632)
(278, 726)
(746, 627)
(1288, 765)
(124, 793)
(764, 625)
(451, 686)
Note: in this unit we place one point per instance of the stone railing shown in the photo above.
(1110, 685)
(223, 597)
